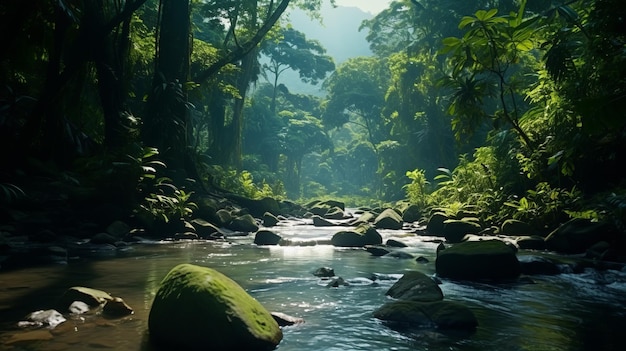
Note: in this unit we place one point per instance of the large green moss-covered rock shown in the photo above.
(454, 230)
(198, 308)
(388, 219)
(473, 260)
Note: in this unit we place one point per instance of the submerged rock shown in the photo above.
(198, 308)
(439, 314)
(91, 297)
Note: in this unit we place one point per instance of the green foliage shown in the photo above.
(545, 205)
(243, 183)
(162, 200)
(416, 190)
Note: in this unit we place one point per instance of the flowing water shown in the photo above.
(582, 311)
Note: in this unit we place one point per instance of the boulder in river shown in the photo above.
(199, 308)
(454, 230)
(475, 260)
(415, 286)
(388, 219)
(577, 235)
(92, 297)
(266, 237)
(361, 236)
(439, 314)
(244, 223)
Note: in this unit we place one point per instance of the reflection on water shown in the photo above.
(566, 312)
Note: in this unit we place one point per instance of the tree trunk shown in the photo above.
(167, 116)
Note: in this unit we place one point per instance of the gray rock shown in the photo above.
(266, 237)
(415, 286)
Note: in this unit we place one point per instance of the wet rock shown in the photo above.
(118, 229)
(454, 230)
(376, 250)
(91, 297)
(415, 286)
(395, 243)
(411, 214)
(359, 237)
(269, 220)
(336, 282)
(388, 219)
(321, 222)
(244, 223)
(285, 320)
(365, 217)
(515, 227)
(533, 242)
(197, 307)
(577, 235)
(422, 259)
(266, 237)
(78, 307)
(223, 217)
(436, 223)
(475, 260)
(400, 254)
(205, 229)
(439, 314)
(324, 272)
(535, 265)
(43, 318)
(186, 236)
(117, 308)
(103, 238)
(335, 213)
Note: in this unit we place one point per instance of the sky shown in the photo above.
(371, 6)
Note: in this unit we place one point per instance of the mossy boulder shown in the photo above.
(388, 219)
(439, 314)
(199, 308)
(454, 230)
(475, 260)
(436, 223)
(411, 213)
(334, 213)
(516, 227)
(361, 236)
(415, 286)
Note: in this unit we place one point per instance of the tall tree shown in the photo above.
(290, 49)
(167, 114)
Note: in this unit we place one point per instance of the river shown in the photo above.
(569, 311)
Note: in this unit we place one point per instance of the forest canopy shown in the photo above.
(509, 109)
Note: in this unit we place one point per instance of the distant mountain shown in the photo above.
(338, 33)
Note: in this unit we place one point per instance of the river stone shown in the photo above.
(454, 230)
(365, 217)
(473, 260)
(223, 217)
(577, 235)
(411, 214)
(285, 320)
(198, 308)
(266, 237)
(439, 314)
(43, 318)
(118, 229)
(388, 219)
(324, 272)
(103, 238)
(395, 243)
(117, 308)
(532, 265)
(244, 223)
(532, 242)
(415, 286)
(376, 250)
(91, 297)
(436, 223)
(269, 220)
(359, 237)
(78, 307)
(321, 222)
(516, 227)
(334, 213)
(205, 229)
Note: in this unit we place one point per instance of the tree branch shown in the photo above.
(244, 49)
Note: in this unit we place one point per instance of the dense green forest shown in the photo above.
(508, 109)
